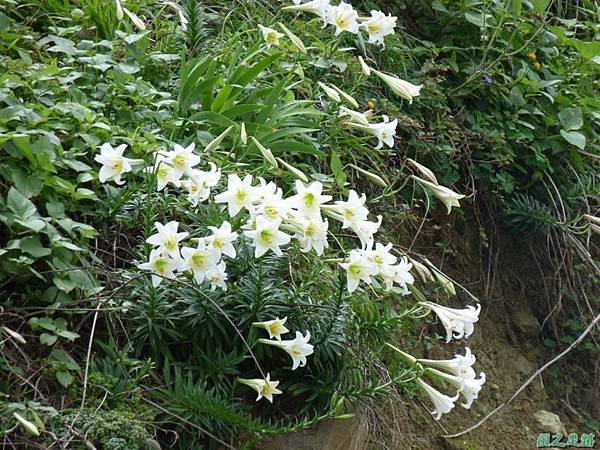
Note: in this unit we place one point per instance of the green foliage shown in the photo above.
(68, 245)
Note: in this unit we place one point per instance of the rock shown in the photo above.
(549, 422)
(345, 434)
(525, 322)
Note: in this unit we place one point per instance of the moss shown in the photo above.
(109, 430)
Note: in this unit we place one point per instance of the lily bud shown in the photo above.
(267, 154)
(119, 10)
(370, 175)
(363, 65)
(426, 172)
(26, 424)
(297, 172)
(216, 141)
(293, 38)
(243, 135)
(331, 93)
(351, 100)
(16, 336)
(139, 23)
(400, 87)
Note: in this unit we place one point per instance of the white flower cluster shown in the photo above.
(204, 261)
(457, 372)
(345, 18)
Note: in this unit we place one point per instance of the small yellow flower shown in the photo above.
(532, 56)
(537, 66)
(371, 104)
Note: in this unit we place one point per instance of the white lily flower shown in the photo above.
(425, 171)
(162, 266)
(443, 404)
(460, 366)
(384, 131)
(265, 388)
(183, 159)
(356, 117)
(222, 239)
(167, 238)
(400, 87)
(381, 256)
(297, 348)
(446, 195)
(457, 322)
(344, 17)
(270, 35)
(352, 211)
(359, 267)
(199, 260)
(331, 93)
(399, 274)
(267, 236)
(468, 387)
(273, 205)
(313, 234)
(378, 26)
(199, 183)
(366, 70)
(274, 327)
(165, 173)
(365, 230)
(318, 7)
(308, 199)
(114, 164)
(239, 194)
(217, 277)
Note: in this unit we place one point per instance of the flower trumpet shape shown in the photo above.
(114, 164)
(297, 348)
(400, 87)
(270, 35)
(359, 267)
(222, 239)
(167, 238)
(162, 266)
(457, 322)
(320, 8)
(460, 366)
(446, 195)
(308, 199)
(267, 236)
(443, 404)
(265, 388)
(274, 327)
(240, 194)
(468, 387)
(384, 131)
(378, 26)
(200, 260)
(343, 16)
